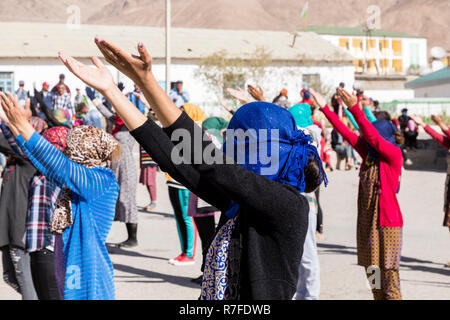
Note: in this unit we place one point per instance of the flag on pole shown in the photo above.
(305, 10)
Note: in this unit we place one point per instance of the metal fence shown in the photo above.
(422, 106)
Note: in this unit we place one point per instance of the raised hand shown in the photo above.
(348, 99)
(418, 120)
(365, 102)
(239, 94)
(318, 98)
(257, 94)
(98, 77)
(18, 117)
(436, 119)
(137, 68)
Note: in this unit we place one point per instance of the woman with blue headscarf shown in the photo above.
(380, 222)
(258, 246)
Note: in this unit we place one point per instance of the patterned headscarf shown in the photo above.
(91, 147)
(57, 137)
(38, 124)
(62, 116)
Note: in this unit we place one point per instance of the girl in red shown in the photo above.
(379, 227)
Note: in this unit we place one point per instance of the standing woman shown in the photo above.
(15, 188)
(444, 141)
(264, 218)
(125, 171)
(179, 197)
(380, 222)
(85, 209)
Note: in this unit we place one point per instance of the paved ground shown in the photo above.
(144, 273)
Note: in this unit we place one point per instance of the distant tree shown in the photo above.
(220, 70)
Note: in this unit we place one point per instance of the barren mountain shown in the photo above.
(429, 18)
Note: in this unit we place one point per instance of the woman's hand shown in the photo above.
(18, 117)
(365, 102)
(239, 94)
(137, 68)
(349, 99)
(99, 77)
(436, 119)
(318, 98)
(257, 94)
(418, 120)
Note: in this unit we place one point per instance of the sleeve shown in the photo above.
(159, 146)
(352, 138)
(442, 140)
(186, 96)
(369, 114)
(447, 133)
(108, 114)
(12, 141)
(387, 150)
(351, 118)
(87, 183)
(244, 187)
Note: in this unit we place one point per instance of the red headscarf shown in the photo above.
(57, 137)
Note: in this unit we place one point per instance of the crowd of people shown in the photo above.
(70, 173)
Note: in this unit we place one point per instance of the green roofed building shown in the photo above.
(432, 85)
(377, 51)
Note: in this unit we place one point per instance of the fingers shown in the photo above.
(145, 55)
(107, 53)
(97, 62)
(112, 52)
(13, 100)
(5, 102)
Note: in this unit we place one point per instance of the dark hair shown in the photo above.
(313, 178)
(335, 104)
(382, 115)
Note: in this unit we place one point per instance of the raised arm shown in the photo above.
(233, 181)
(351, 118)
(352, 138)
(442, 140)
(445, 129)
(387, 150)
(88, 183)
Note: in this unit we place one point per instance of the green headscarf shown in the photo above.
(214, 126)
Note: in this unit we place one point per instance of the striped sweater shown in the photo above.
(89, 271)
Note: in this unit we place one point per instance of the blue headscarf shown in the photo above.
(293, 145)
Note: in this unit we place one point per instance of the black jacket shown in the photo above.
(272, 222)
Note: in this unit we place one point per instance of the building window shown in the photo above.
(370, 45)
(397, 65)
(371, 65)
(313, 79)
(414, 55)
(397, 47)
(357, 45)
(384, 45)
(344, 43)
(6, 81)
(384, 65)
(359, 65)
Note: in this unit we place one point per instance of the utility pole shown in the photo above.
(168, 46)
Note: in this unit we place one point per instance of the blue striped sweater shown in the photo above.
(89, 271)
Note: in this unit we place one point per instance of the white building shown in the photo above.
(378, 51)
(432, 85)
(28, 52)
